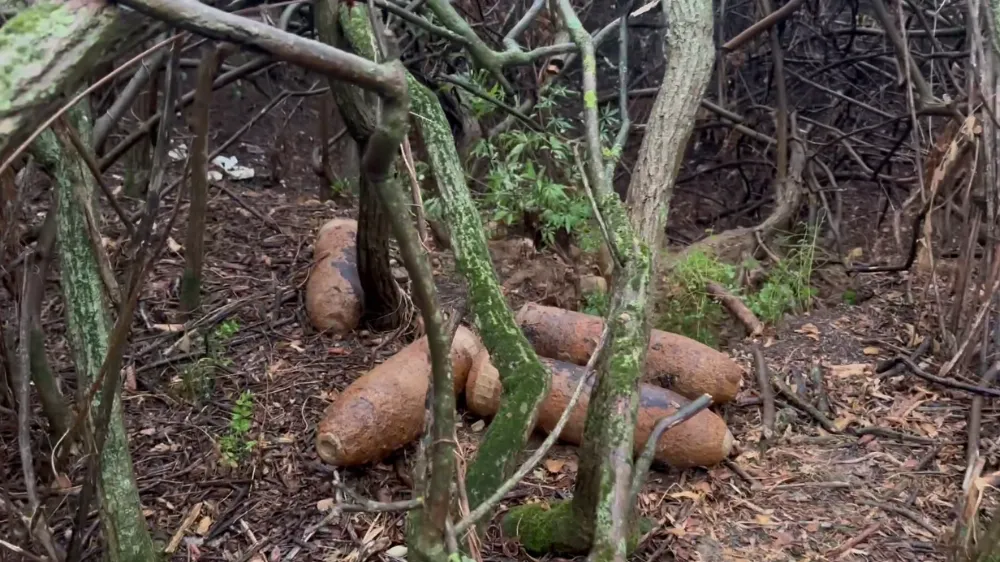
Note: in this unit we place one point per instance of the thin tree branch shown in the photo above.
(781, 116)
(253, 66)
(313, 55)
(623, 129)
(92, 165)
(645, 459)
(48, 122)
(479, 93)
(104, 124)
(762, 25)
(766, 393)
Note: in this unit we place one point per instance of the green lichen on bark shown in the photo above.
(543, 528)
(601, 501)
(87, 326)
(525, 379)
(44, 51)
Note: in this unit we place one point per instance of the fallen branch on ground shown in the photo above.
(736, 307)
(806, 407)
(916, 370)
(766, 393)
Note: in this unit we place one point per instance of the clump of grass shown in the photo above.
(689, 310)
(787, 288)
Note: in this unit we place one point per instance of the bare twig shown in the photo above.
(806, 407)
(645, 459)
(916, 370)
(104, 124)
(21, 552)
(739, 471)
(92, 165)
(766, 393)
(485, 96)
(418, 200)
(248, 69)
(31, 288)
(762, 25)
(736, 307)
(854, 541)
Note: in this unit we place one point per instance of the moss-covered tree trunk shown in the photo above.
(525, 379)
(383, 299)
(45, 51)
(87, 324)
(601, 511)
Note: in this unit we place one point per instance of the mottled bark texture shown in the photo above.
(87, 326)
(600, 510)
(45, 51)
(525, 380)
(383, 303)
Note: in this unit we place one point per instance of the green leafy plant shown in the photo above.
(533, 174)
(787, 288)
(595, 303)
(340, 187)
(235, 446)
(688, 308)
(198, 378)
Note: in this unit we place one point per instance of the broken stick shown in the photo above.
(736, 307)
(766, 393)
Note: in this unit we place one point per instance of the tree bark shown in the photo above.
(48, 49)
(525, 379)
(194, 247)
(87, 326)
(383, 303)
(600, 514)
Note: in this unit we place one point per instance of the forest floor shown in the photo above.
(813, 492)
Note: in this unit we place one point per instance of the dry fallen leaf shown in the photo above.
(165, 448)
(694, 496)
(324, 505)
(478, 426)
(782, 539)
(174, 246)
(398, 551)
(871, 350)
(849, 370)
(204, 525)
(810, 331)
(762, 518)
(554, 466)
